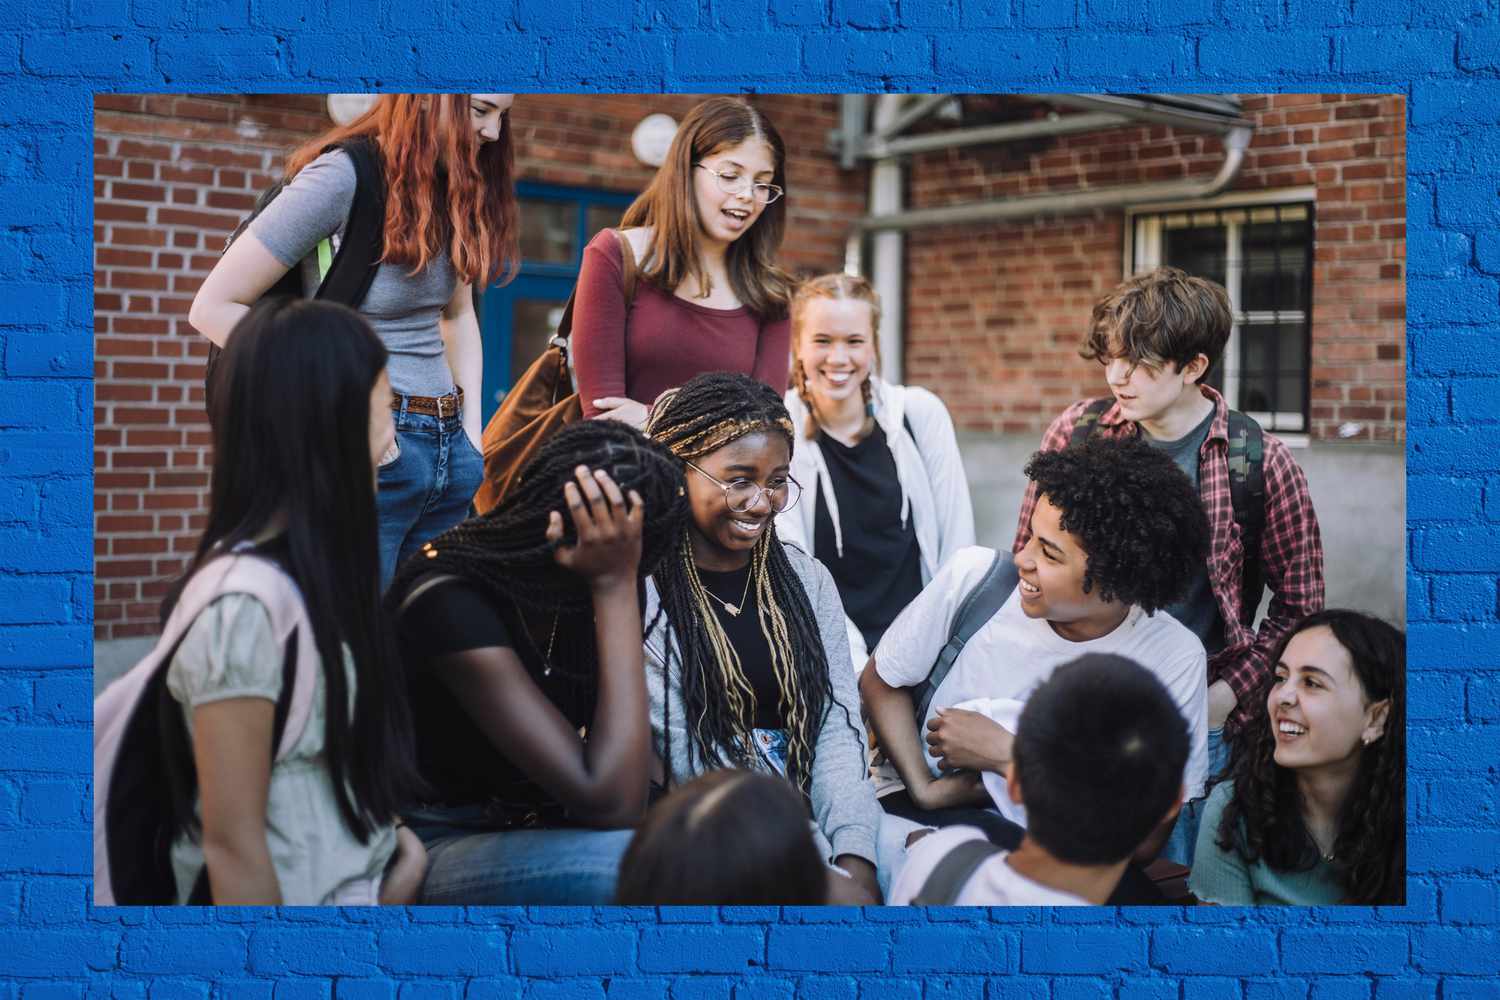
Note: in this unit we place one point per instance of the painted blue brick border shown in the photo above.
(1443, 54)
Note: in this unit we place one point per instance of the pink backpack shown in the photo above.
(132, 835)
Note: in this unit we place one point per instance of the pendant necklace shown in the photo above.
(733, 609)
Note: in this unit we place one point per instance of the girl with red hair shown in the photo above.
(450, 222)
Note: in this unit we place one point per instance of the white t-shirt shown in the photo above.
(994, 882)
(1011, 655)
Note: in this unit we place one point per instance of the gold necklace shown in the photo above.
(733, 609)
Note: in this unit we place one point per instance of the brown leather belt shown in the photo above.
(432, 406)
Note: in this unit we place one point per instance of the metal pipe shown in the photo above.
(1069, 202)
(887, 256)
(924, 105)
(1148, 111)
(879, 148)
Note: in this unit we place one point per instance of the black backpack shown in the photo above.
(1247, 492)
(345, 272)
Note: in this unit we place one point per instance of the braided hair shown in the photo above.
(707, 413)
(505, 552)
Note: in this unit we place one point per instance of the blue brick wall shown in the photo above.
(1444, 54)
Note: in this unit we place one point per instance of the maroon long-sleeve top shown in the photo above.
(665, 340)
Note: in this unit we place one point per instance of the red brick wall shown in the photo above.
(174, 174)
(995, 312)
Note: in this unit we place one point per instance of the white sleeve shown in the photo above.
(913, 641)
(1185, 675)
(920, 860)
(938, 445)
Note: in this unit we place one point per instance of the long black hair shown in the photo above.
(292, 448)
(505, 552)
(705, 414)
(1263, 819)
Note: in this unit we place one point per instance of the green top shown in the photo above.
(1225, 878)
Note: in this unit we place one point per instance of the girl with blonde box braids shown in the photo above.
(888, 502)
(743, 629)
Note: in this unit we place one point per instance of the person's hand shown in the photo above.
(968, 741)
(1221, 703)
(402, 884)
(627, 411)
(608, 549)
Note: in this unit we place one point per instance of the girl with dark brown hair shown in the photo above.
(450, 222)
(705, 233)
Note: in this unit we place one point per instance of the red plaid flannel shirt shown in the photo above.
(1291, 549)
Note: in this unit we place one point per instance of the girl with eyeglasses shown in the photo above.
(705, 234)
(887, 501)
(745, 640)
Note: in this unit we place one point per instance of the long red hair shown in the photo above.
(445, 190)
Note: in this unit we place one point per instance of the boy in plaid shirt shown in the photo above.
(1158, 335)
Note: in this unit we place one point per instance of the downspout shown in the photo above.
(887, 263)
(1235, 144)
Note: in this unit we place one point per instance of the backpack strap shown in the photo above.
(347, 274)
(953, 872)
(1088, 421)
(628, 275)
(977, 607)
(1247, 497)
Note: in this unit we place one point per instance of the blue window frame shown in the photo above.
(516, 320)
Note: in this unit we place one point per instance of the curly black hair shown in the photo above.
(1263, 817)
(1135, 513)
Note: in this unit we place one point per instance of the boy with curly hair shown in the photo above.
(1116, 534)
(1158, 336)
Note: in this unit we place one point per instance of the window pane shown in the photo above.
(533, 323)
(549, 231)
(1196, 249)
(602, 217)
(1271, 368)
(1275, 266)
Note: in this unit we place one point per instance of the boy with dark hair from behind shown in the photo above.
(1158, 336)
(1098, 761)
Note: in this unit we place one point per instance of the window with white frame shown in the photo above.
(1262, 254)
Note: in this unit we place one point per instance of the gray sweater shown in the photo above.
(846, 814)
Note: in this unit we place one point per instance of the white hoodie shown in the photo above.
(934, 489)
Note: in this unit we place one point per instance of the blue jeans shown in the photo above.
(427, 488)
(570, 867)
(1184, 839)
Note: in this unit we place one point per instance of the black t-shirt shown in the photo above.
(749, 642)
(881, 568)
(453, 753)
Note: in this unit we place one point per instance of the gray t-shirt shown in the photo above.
(1197, 610)
(402, 308)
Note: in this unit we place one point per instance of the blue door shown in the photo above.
(518, 319)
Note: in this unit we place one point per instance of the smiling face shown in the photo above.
(724, 218)
(1052, 567)
(836, 347)
(722, 539)
(487, 115)
(1319, 714)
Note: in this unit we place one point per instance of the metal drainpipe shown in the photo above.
(887, 264)
(1235, 143)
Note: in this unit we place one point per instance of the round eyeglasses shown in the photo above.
(734, 182)
(742, 494)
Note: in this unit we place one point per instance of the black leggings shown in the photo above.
(1135, 889)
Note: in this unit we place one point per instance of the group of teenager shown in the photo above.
(719, 641)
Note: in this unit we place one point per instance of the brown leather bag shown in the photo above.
(539, 404)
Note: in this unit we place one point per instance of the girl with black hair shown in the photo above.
(1314, 812)
(726, 838)
(294, 481)
(746, 647)
(522, 633)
